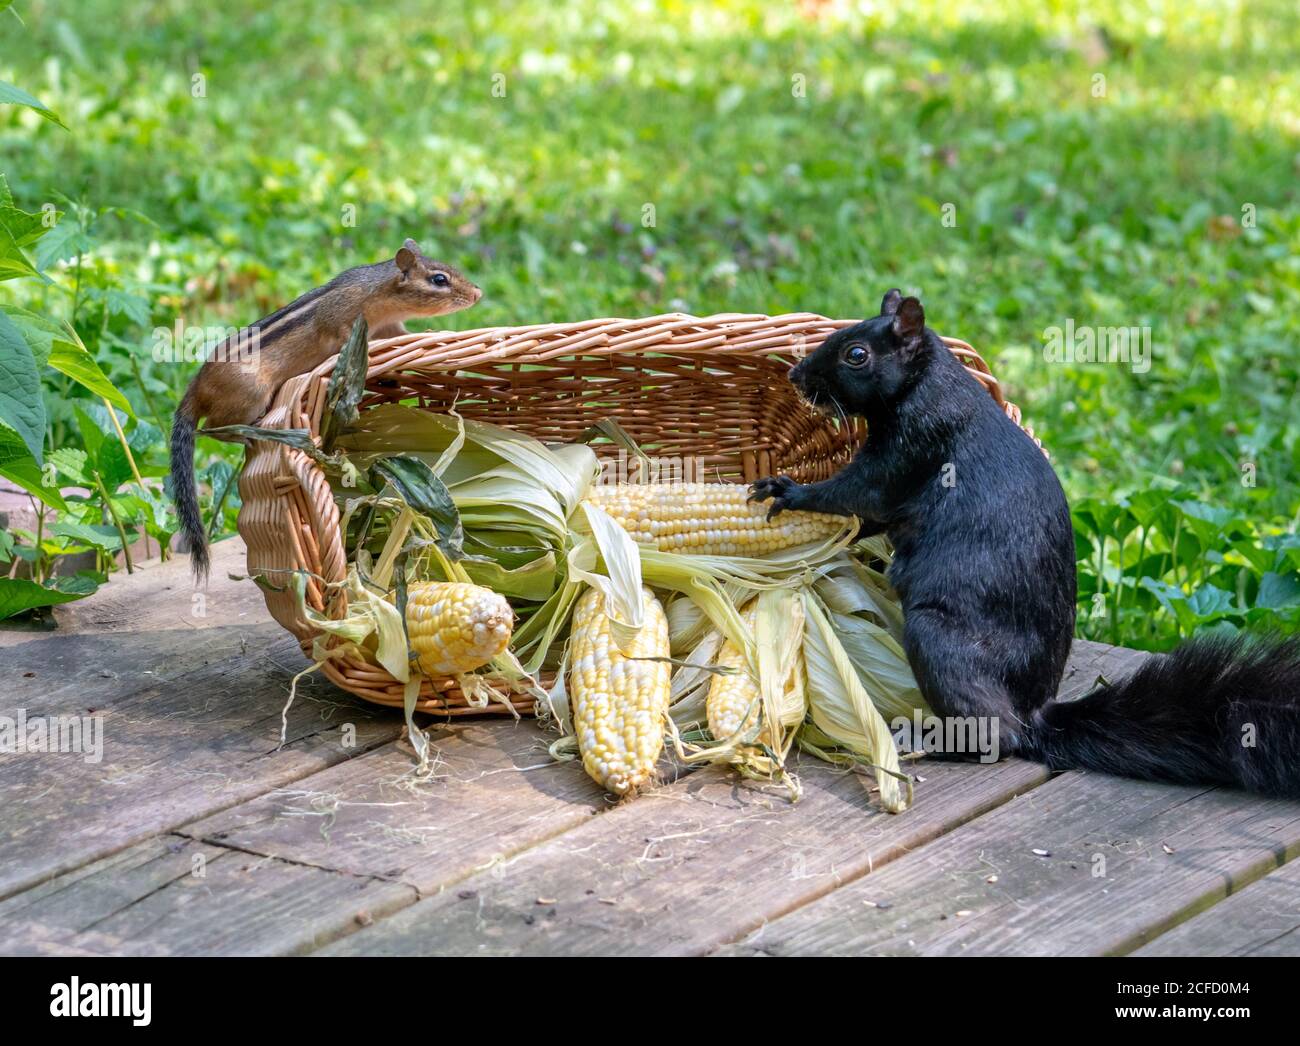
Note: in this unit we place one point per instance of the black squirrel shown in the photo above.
(984, 565)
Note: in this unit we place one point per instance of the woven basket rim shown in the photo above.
(289, 520)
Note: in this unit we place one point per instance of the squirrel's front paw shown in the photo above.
(783, 491)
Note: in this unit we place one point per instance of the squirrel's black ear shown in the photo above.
(889, 303)
(909, 320)
(406, 256)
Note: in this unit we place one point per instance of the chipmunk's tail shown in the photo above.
(184, 493)
(1221, 710)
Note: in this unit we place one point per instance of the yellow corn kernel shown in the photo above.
(455, 626)
(618, 703)
(715, 519)
(733, 697)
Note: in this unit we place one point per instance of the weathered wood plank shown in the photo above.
(173, 751)
(174, 895)
(495, 792)
(1087, 864)
(143, 627)
(1263, 919)
(365, 822)
(1090, 661)
(484, 809)
(687, 868)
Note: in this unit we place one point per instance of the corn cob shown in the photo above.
(455, 626)
(714, 519)
(734, 697)
(618, 703)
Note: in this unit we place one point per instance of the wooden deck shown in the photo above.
(197, 835)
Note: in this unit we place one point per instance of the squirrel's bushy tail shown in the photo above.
(1219, 710)
(183, 490)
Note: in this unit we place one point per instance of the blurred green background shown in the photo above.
(1017, 164)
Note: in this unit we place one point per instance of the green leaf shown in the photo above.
(347, 383)
(18, 594)
(11, 95)
(21, 406)
(78, 364)
(298, 439)
(98, 536)
(24, 228)
(65, 241)
(90, 427)
(1207, 522)
(40, 332)
(1173, 599)
(1277, 591)
(1209, 602)
(1146, 505)
(99, 437)
(19, 467)
(424, 492)
(135, 308)
(71, 463)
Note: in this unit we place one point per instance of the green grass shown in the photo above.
(1109, 211)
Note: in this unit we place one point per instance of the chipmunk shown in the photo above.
(235, 385)
(984, 563)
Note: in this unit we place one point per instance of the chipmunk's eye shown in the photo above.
(856, 356)
(440, 279)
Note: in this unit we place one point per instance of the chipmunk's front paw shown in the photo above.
(782, 490)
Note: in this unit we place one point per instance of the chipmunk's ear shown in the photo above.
(406, 256)
(889, 303)
(909, 321)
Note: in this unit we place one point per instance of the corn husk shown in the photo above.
(825, 647)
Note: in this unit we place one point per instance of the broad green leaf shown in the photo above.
(40, 332)
(71, 464)
(1209, 602)
(64, 242)
(78, 364)
(24, 228)
(11, 95)
(426, 494)
(1277, 591)
(1207, 522)
(19, 467)
(99, 536)
(347, 383)
(1146, 505)
(19, 594)
(21, 406)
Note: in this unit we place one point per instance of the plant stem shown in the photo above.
(37, 566)
(121, 530)
(216, 509)
(148, 400)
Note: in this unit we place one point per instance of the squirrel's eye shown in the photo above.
(856, 356)
(440, 279)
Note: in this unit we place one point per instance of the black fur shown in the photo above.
(984, 566)
(184, 493)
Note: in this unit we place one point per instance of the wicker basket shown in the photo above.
(712, 388)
